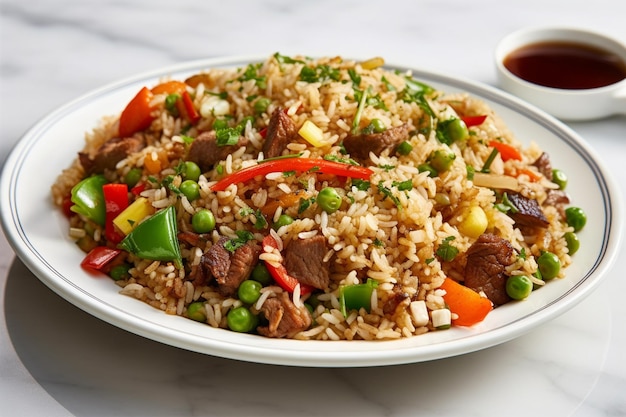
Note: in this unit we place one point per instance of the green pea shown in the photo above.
(559, 178)
(261, 104)
(195, 311)
(404, 148)
(549, 265)
(133, 176)
(573, 243)
(192, 171)
(378, 125)
(283, 220)
(432, 172)
(576, 218)
(329, 200)
(241, 320)
(119, 272)
(261, 274)
(203, 221)
(456, 130)
(249, 291)
(190, 189)
(518, 287)
(441, 160)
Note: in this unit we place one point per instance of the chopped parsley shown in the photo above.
(320, 73)
(387, 193)
(243, 237)
(403, 185)
(371, 100)
(284, 59)
(446, 251)
(361, 185)
(251, 73)
(335, 158)
(356, 78)
(387, 168)
(305, 203)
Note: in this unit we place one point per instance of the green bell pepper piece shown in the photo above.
(88, 199)
(155, 238)
(357, 296)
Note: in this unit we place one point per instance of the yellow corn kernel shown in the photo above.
(373, 63)
(474, 223)
(133, 214)
(312, 134)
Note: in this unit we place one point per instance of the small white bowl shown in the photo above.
(566, 104)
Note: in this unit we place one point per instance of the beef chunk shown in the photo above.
(304, 260)
(544, 166)
(396, 299)
(230, 268)
(280, 132)
(360, 146)
(285, 319)
(487, 259)
(205, 151)
(110, 153)
(528, 213)
(558, 199)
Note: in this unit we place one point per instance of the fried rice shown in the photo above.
(389, 230)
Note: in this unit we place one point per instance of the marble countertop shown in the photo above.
(56, 360)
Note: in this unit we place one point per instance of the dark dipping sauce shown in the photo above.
(566, 65)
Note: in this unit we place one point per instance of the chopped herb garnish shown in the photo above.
(372, 100)
(228, 136)
(387, 168)
(305, 203)
(335, 158)
(187, 139)
(387, 193)
(243, 237)
(429, 261)
(361, 185)
(403, 185)
(284, 59)
(506, 206)
(260, 223)
(287, 174)
(522, 254)
(170, 104)
(251, 73)
(167, 182)
(470, 172)
(387, 84)
(446, 251)
(356, 78)
(378, 243)
(489, 161)
(320, 73)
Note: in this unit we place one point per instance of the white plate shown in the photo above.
(38, 233)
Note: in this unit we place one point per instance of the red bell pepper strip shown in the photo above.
(280, 274)
(116, 200)
(474, 120)
(190, 111)
(99, 257)
(293, 164)
(137, 115)
(506, 151)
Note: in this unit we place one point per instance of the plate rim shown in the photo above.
(45, 272)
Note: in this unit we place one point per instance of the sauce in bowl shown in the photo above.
(566, 65)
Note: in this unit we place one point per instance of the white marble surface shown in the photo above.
(56, 360)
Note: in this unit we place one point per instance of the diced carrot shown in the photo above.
(155, 165)
(170, 87)
(506, 151)
(137, 115)
(467, 304)
(286, 200)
